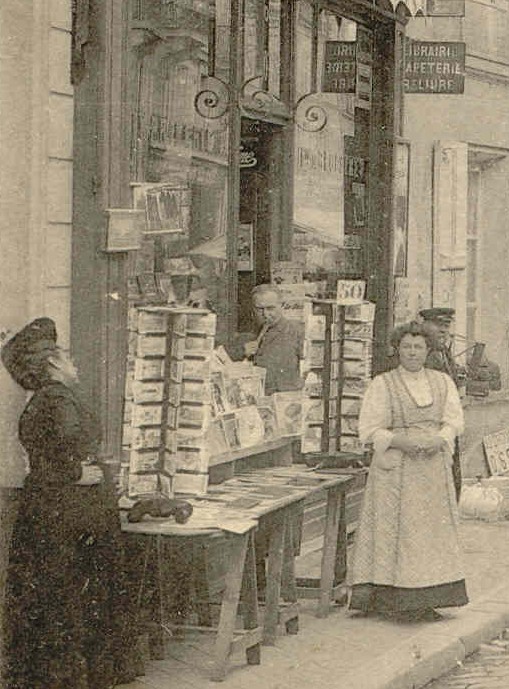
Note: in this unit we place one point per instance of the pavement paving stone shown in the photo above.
(349, 651)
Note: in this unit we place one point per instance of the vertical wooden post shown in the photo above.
(233, 162)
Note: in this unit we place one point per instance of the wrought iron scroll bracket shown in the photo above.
(214, 100)
(309, 116)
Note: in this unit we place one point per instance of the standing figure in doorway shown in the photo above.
(440, 358)
(68, 619)
(407, 556)
(279, 343)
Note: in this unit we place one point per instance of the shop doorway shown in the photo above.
(260, 210)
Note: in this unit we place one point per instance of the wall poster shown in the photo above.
(400, 208)
(245, 247)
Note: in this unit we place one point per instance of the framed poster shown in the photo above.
(400, 208)
(245, 247)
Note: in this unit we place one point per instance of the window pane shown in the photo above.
(303, 51)
(253, 38)
(274, 46)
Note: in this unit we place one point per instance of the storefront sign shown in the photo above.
(445, 8)
(350, 291)
(434, 67)
(340, 67)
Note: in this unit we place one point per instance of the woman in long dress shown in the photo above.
(68, 616)
(406, 558)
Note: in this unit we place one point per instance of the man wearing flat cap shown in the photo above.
(440, 358)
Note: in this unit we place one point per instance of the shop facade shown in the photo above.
(458, 174)
(217, 154)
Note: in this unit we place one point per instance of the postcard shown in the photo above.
(195, 391)
(169, 463)
(350, 405)
(148, 369)
(313, 385)
(178, 346)
(194, 415)
(350, 443)
(174, 393)
(312, 411)
(288, 406)
(170, 441)
(151, 345)
(140, 462)
(267, 413)
(355, 387)
(364, 312)
(145, 438)
(173, 414)
(349, 425)
(190, 484)
(250, 425)
(143, 484)
(176, 369)
(354, 369)
(193, 460)
(315, 354)
(196, 368)
(166, 485)
(216, 439)
(191, 437)
(315, 327)
(178, 323)
(362, 331)
(146, 415)
(201, 323)
(231, 431)
(311, 439)
(150, 320)
(218, 393)
(197, 343)
(147, 391)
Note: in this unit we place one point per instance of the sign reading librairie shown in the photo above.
(340, 67)
(434, 67)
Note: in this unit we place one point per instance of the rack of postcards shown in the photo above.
(337, 366)
(167, 400)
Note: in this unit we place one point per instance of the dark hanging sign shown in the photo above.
(434, 67)
(445, 8)
(340, 67)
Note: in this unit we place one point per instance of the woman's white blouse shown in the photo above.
(375, 414)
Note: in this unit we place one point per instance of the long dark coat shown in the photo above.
(68, 615)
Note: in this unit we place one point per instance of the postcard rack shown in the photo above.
(167, 400)
(338, 363)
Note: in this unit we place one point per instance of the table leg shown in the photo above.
(288, 583)
(250, 600)
(274, 571)
(330, 543)
(230, 602)
(341, 550)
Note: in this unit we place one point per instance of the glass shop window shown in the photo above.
(333, 85)
(180, 152)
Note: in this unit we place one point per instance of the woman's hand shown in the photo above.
(91, 475)
(419, 446)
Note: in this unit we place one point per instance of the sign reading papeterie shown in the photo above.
(436, 67)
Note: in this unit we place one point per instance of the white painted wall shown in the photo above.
(36, 107)
(479, 117)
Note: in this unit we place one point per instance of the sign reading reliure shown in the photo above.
(434, 67)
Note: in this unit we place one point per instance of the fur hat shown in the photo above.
(23, 354)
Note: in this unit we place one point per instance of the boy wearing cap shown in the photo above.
(441, 358)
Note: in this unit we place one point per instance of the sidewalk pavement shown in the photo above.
(345, 651)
